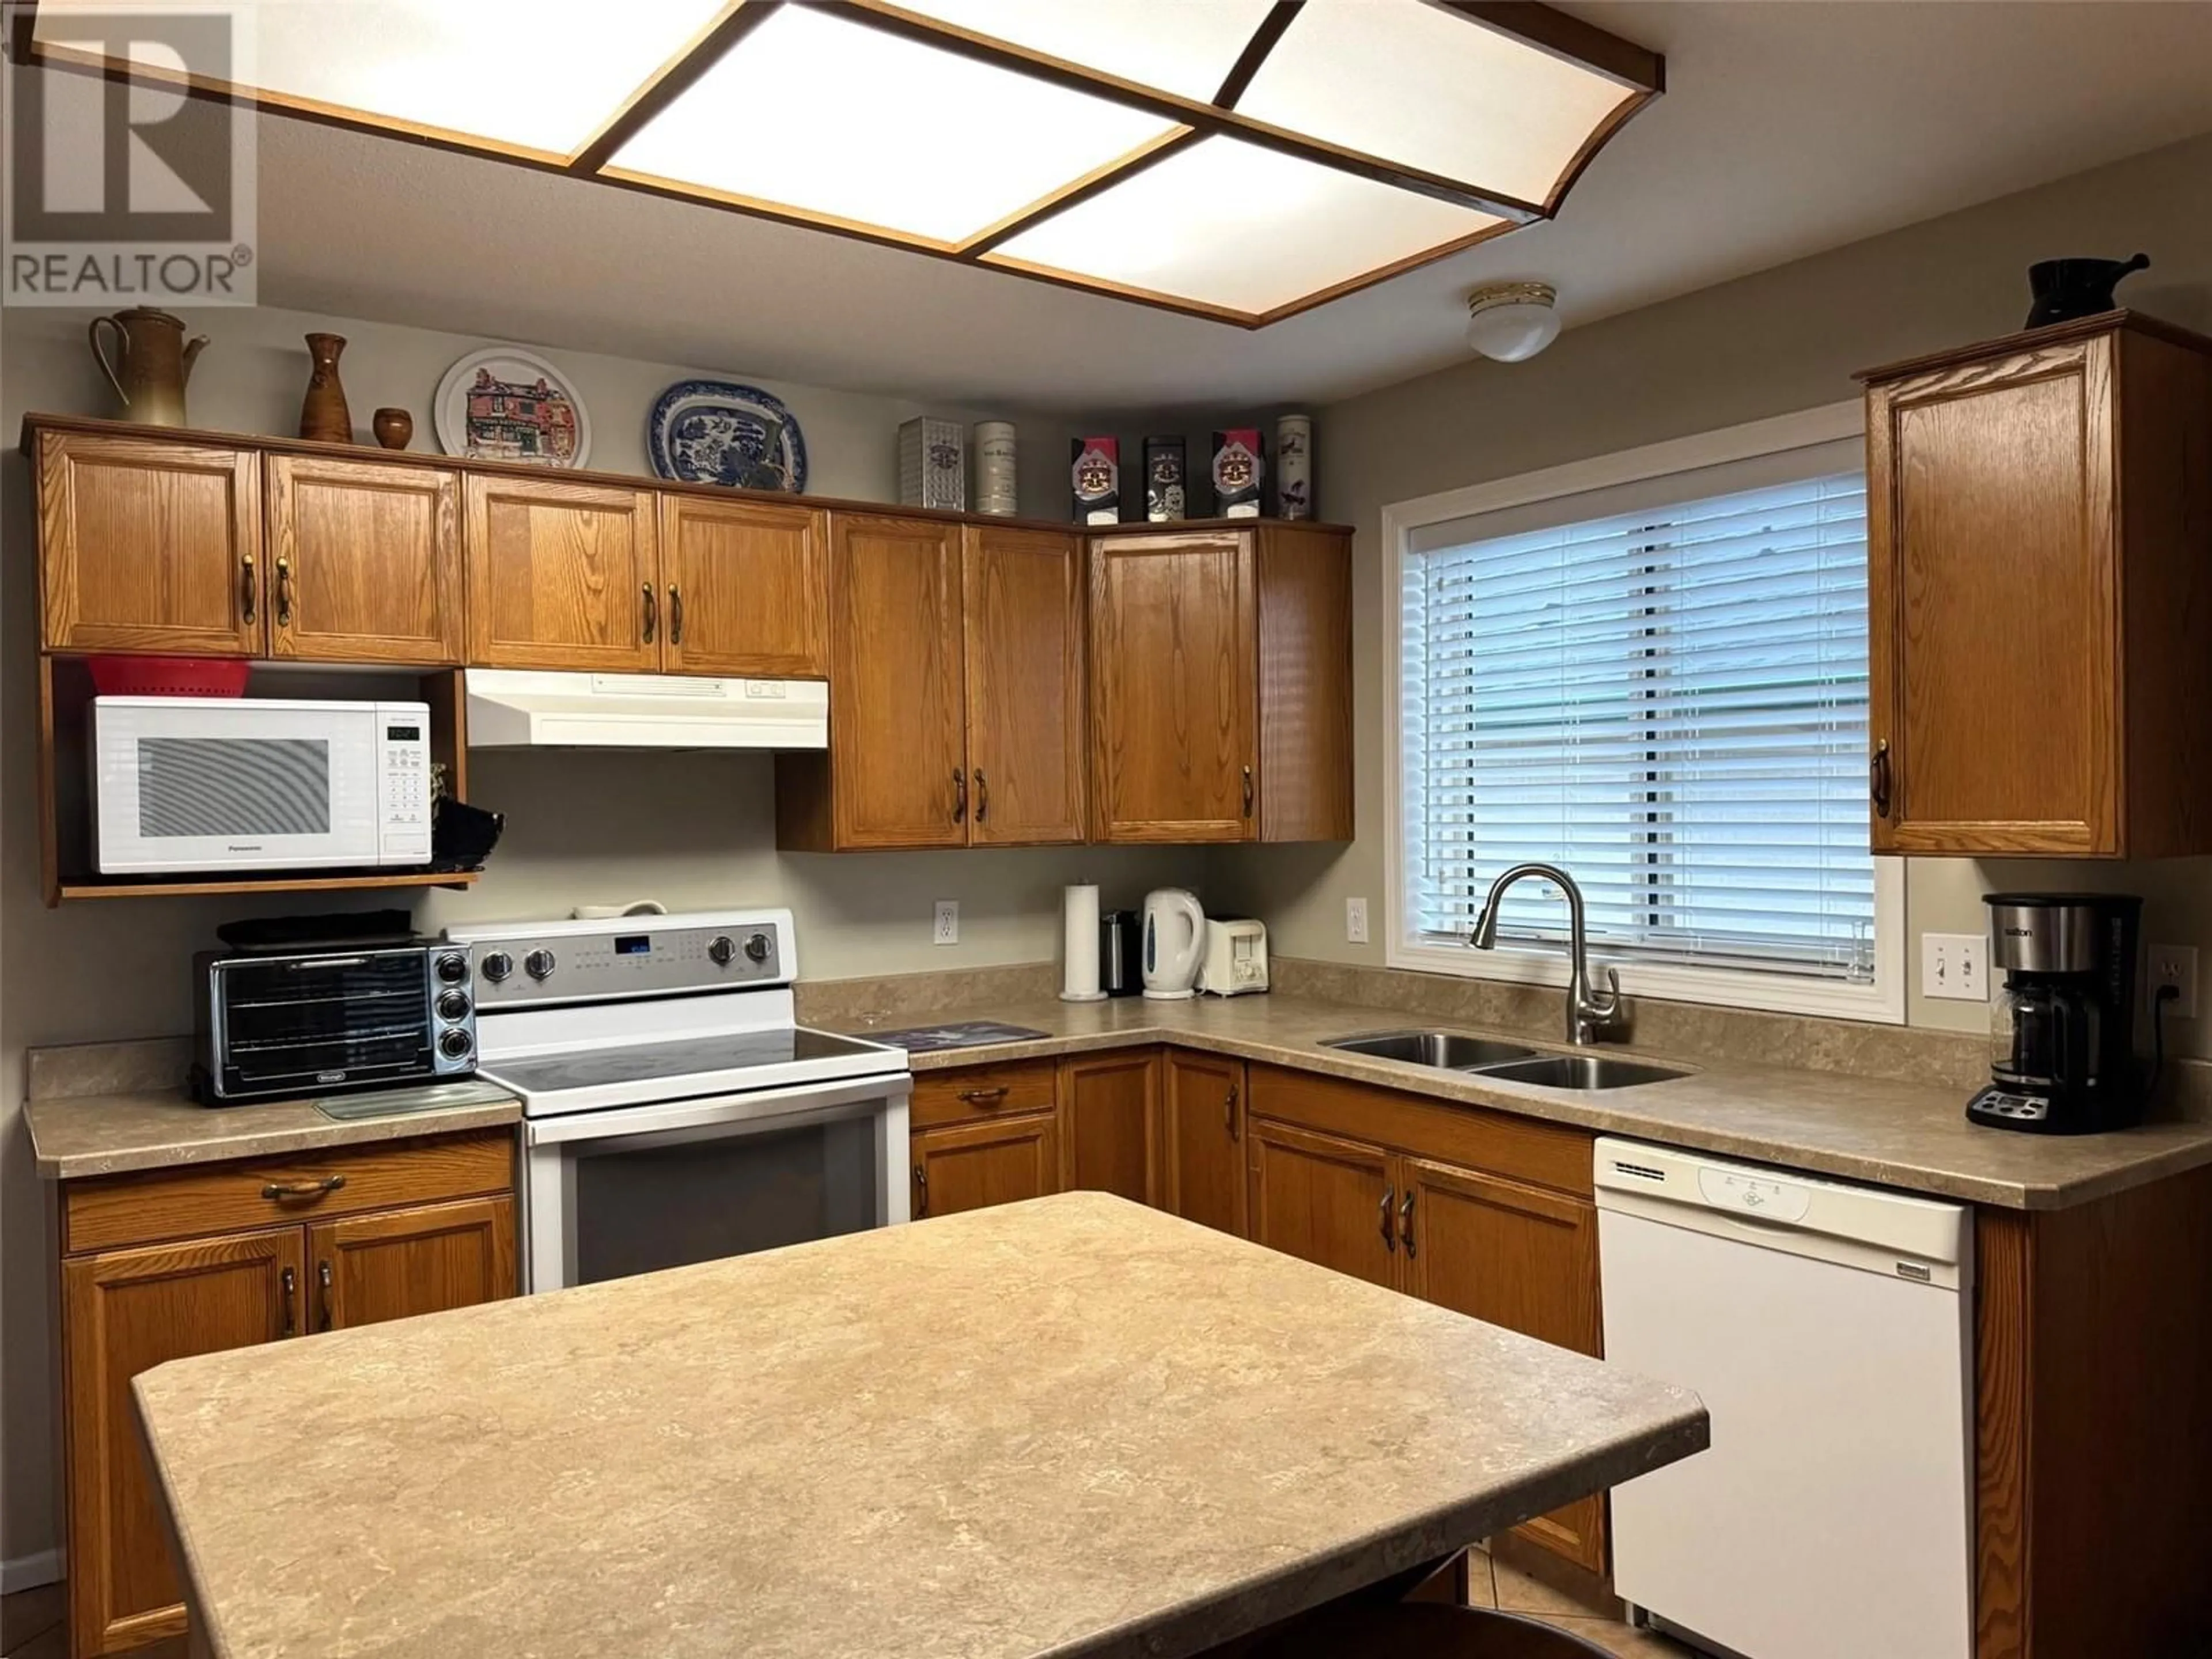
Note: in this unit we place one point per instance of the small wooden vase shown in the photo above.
(394, 428)
(324, 415)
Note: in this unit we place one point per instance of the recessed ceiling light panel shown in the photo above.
(1187, 47)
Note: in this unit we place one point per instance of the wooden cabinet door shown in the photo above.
(364, 560)
(146, 545)
(978, 1164)
(1110, 1106)
(1171, 653)
(561, 576)
(1325, 1199)
(124, 1312)
(1202, 1140)
(1022, 612)
(394, 1264)
(747, 588)
(1518, 1257)
(1991, 577)
(1303, 704)
(897, 753)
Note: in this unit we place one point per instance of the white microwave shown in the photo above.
(250, 783)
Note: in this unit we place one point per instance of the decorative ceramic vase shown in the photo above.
(394, 428)
(324, 415)
(995, 490)
(153, 361)
(1294, 467)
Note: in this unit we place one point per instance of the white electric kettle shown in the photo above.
(1174, 943)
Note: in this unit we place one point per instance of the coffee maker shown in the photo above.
(2061, 1030)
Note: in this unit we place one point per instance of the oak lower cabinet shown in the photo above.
(364, 561)
(1488, 1214)
(1202, 1140)
(1221, 694)
(1109, 1112)
(149, 544)
(971, 1166)
(747, 588)
(2040, 589)
(168, 1264)
(561, 574)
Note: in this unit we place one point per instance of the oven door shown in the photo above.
(639, 1188)
(232, 784)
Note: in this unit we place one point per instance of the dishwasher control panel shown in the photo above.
(1754, 1195)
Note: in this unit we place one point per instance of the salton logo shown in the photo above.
(121, 192)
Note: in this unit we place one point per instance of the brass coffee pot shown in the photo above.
(154, 360)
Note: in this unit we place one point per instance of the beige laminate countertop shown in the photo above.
(1891, 1134)
(1070, 1426)
(74, 1137)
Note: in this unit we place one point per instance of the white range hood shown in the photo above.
(521, 708)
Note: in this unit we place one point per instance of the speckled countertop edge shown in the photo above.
(78, 1138)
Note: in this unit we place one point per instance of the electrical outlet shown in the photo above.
(1355, 922)
(947, 928)
(2175, 965)
(1955, 965)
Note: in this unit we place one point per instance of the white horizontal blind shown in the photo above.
(1669, 700)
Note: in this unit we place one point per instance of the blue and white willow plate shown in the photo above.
(720, 432)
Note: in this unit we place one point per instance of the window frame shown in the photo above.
(1882, 1001)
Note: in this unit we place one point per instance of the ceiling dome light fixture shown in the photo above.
(1511, 321)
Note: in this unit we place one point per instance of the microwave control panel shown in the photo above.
(404, 796)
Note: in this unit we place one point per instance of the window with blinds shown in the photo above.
(1661, 686)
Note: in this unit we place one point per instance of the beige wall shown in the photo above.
(689, 829)
(1784, 340)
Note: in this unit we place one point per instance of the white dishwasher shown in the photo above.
(1828, 1330)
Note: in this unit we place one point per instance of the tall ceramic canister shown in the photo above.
(152, 362)
(1294, 467)
(995, 490)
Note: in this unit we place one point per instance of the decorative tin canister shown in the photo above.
(1239, 468)
(1164, 473)
(931, 470)
(1096, 477)
(995, 490)
(1294, 467)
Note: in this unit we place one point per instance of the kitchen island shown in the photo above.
(1067, 1426)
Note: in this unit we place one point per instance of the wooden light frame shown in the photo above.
(1641, 74)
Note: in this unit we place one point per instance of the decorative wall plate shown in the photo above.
(720, 432)
(504, 404)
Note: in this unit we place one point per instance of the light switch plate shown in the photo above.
(946, 929)
(1955, 965)
(2175, 965)
(1355, 922)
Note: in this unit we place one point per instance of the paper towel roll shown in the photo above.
(1078, 918)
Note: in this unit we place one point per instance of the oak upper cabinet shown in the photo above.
(364, 560)
(561, 576)
(1022, 602)
(1109, 1111)
(1326, 1198)
(1202, 1140)
(973, 1165)
(747, 588)
(147, 544)
(1221, 685)
(2039, 591)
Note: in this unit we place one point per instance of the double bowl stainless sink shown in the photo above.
(1509, 1062)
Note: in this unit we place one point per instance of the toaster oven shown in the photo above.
(288, 1024)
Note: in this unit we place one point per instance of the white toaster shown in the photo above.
(1235, 959)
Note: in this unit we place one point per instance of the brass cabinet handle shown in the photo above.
(1247, 792)
(291, 1302)
(675, 615)
(959, 796)
(284, 592)
(1878, 778)
(246, 585)
(323, 1284)
(1228, 1113)
(284, 1193)
(983, 1096)
(982, 795)
(1405, 1222)
(652, 613)
(1389, 1233)
(921, 1191)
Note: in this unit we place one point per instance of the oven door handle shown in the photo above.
(758, 1111)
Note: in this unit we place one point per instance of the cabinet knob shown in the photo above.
(1247, 792)
(959, 796)
(1878, 778)
(1389, 1230)
(1406, 1222)
(675, 615)
(291, 1281)
(323, 1286)
(247, 586)
(652, 626)
(921, 1191)
(284, 592)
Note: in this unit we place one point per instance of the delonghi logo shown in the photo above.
(128, 191)
(330, 1077)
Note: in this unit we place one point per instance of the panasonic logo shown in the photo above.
(251, 847)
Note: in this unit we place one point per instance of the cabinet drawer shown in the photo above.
(141, 1209)
(969, 1094)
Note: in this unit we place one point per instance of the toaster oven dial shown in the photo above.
(538, 964)
(453, 1043)
(721, 948)
(452, 1005)
(756, 948)
(497, 966)
(453, 968)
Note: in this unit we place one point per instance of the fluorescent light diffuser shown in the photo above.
(1228, 224)
(1187, 47)
(818, 114)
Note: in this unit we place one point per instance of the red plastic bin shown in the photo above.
(169, 677)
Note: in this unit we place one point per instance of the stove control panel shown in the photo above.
(637, 956)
